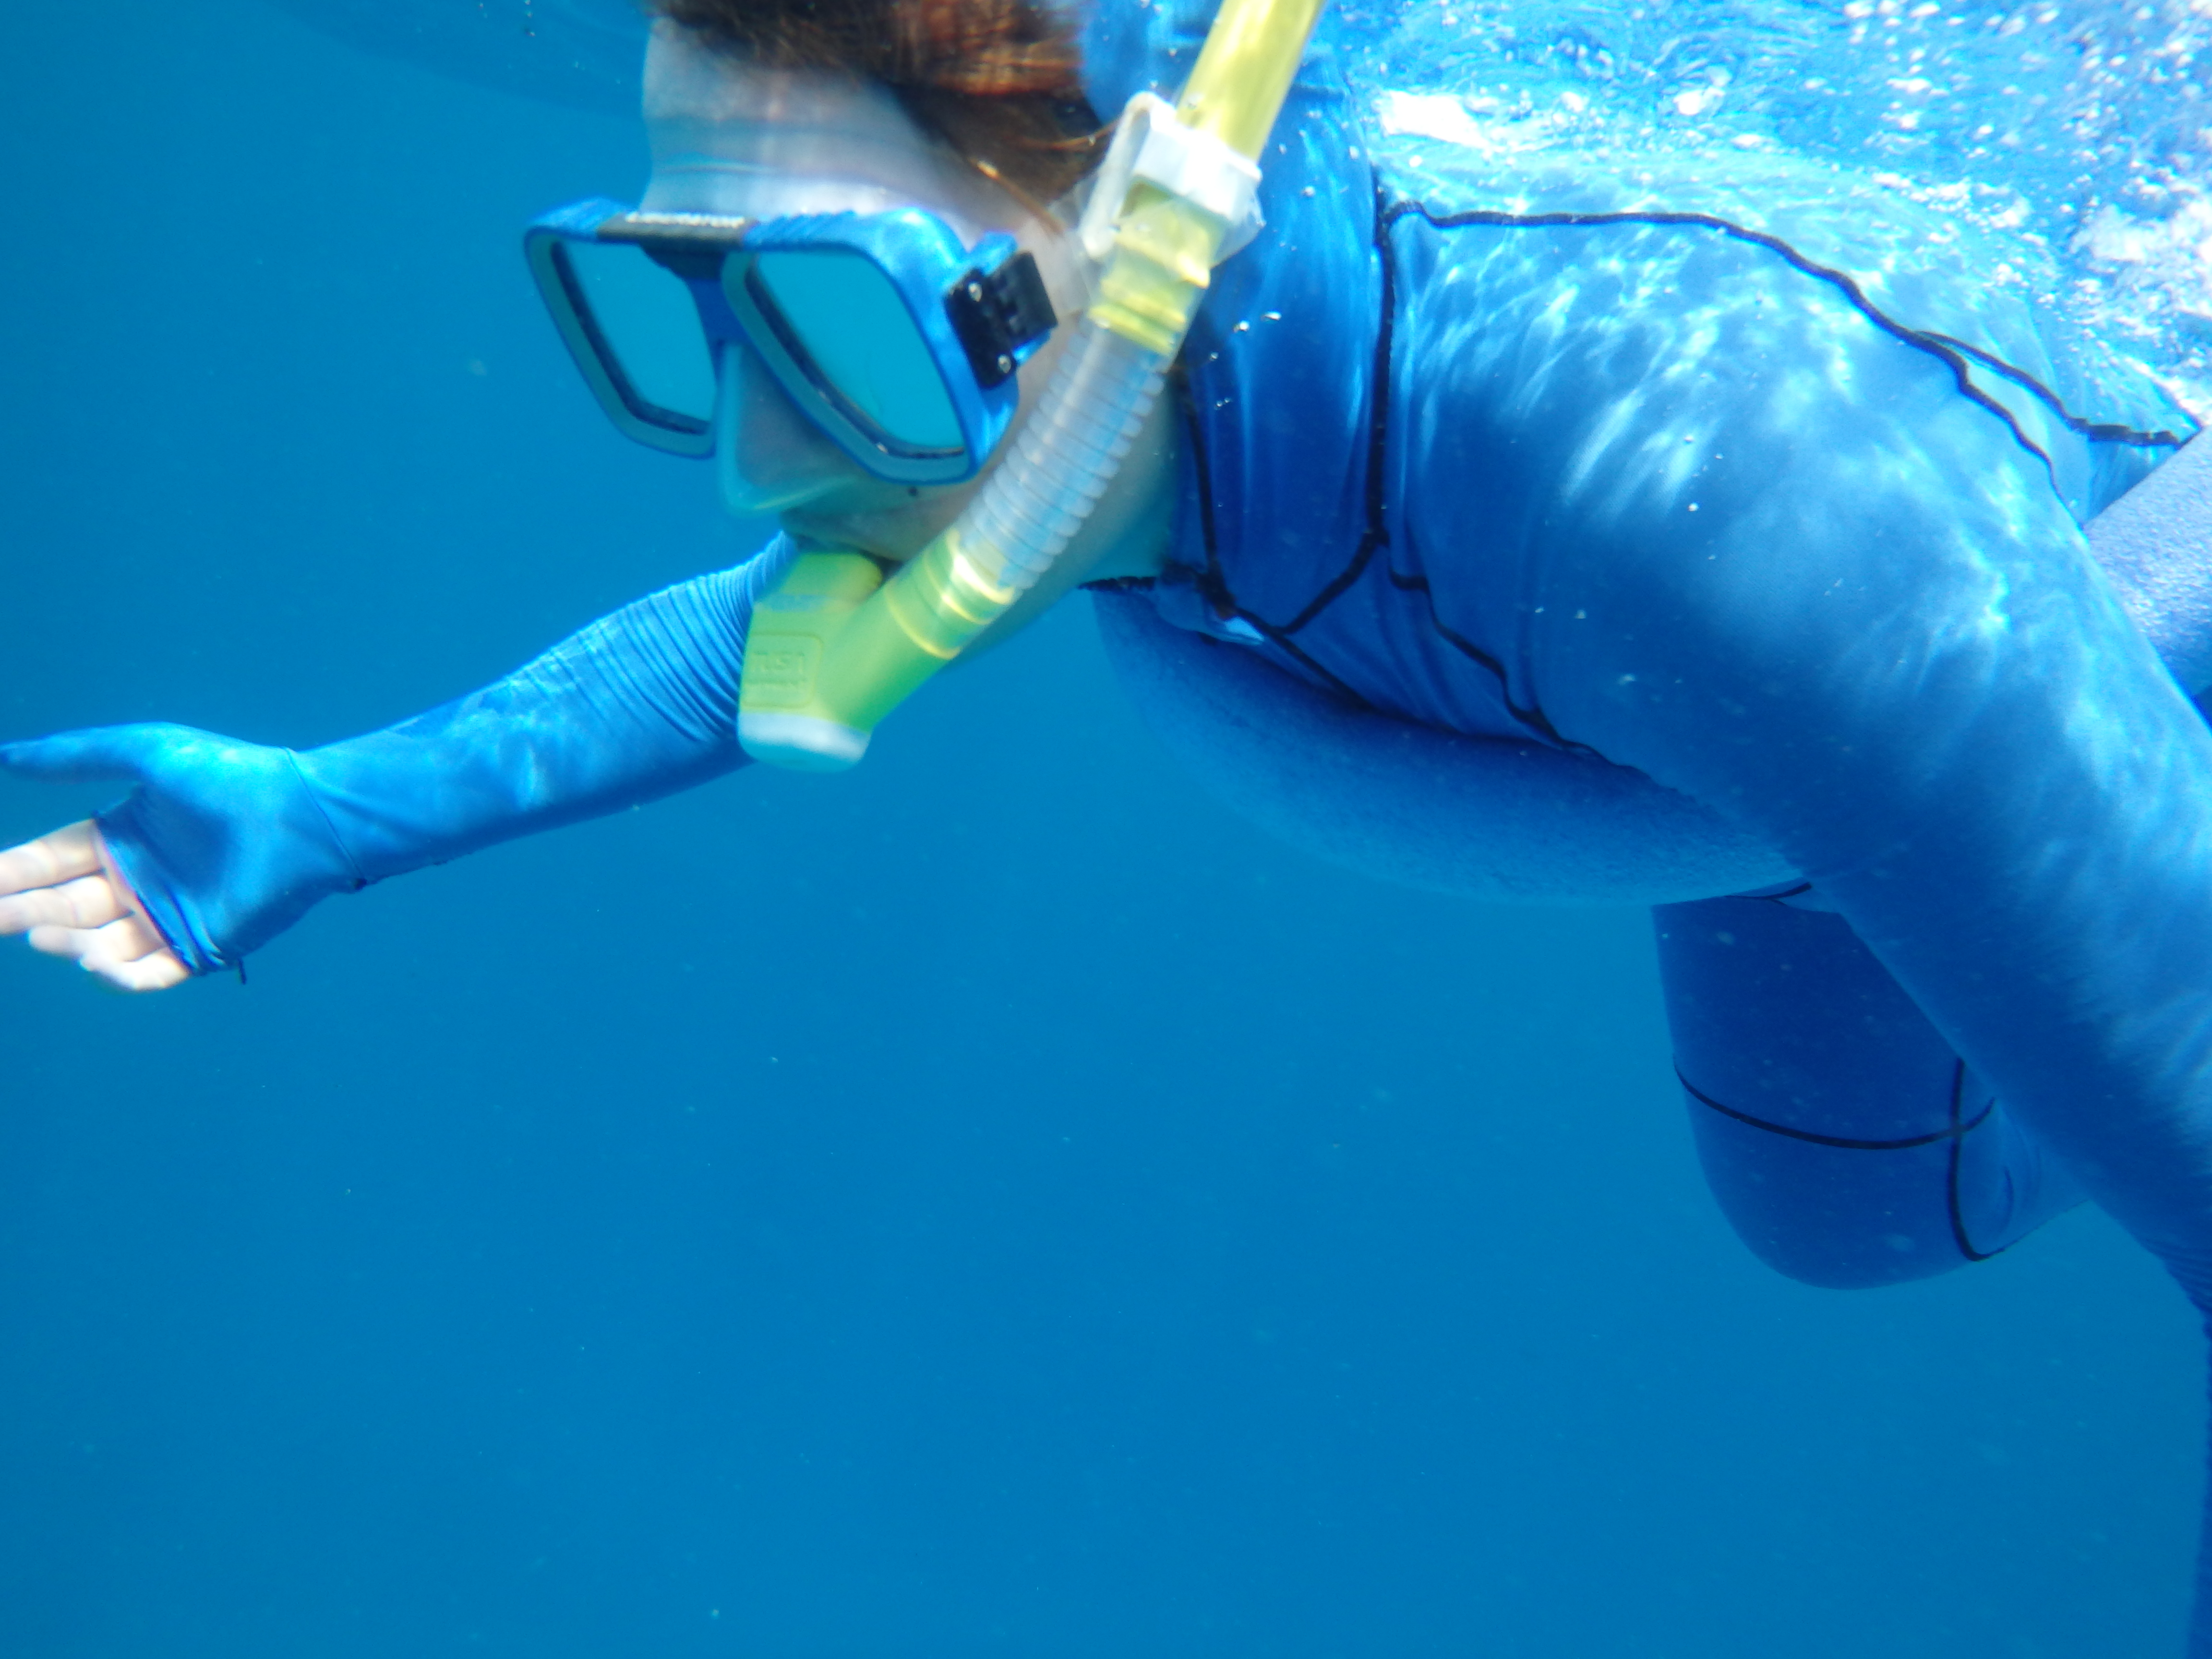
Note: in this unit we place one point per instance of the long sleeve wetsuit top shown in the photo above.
(1759, 482)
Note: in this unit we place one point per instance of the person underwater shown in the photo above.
(1714, 538)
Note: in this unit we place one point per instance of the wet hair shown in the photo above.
(1000, 81)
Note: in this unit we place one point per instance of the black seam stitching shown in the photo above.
(1951, 1184)
(2102, 432)
(1953, 1133)
(1788, 893)
(1532, 717)
(1213, 584)
(1276, 636)
(1376, 536)
(1953, 354)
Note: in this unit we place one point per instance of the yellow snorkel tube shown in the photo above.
(835, 648)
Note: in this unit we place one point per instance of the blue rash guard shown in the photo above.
(1761, 483)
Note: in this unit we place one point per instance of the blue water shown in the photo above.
(992, 1203)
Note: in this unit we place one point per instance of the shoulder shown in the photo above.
(1737, 261)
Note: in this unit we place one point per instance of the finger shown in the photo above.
(157, 972)
(88, 902)
(124, 939)
(69, 852)
(128, 955)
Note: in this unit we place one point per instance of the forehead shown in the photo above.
(729, 137)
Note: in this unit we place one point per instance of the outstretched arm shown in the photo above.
(223, 845)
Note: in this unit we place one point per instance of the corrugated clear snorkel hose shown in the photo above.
(831, 652)
(1027, 512)
(1066, 456)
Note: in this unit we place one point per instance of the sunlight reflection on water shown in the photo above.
(2081, 128)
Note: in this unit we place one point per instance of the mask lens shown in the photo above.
(843, 324)
(647, 329)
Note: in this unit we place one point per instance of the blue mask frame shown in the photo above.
(897, 342)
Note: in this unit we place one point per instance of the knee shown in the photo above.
(1838, 1217)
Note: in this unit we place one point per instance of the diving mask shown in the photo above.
(749, 162)
(885, 334)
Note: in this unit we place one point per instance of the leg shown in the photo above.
(1847, 1144)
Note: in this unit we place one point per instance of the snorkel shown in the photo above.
(835, 648)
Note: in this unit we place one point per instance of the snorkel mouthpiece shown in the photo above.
(835, 648)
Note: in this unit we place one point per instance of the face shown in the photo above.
(730, 139)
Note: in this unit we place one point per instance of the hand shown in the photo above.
(62, 889)
(219, 847)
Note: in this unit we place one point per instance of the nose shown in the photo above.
(769, 457)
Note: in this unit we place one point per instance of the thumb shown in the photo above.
(97, 752)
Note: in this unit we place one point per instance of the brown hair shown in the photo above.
(1000, 81)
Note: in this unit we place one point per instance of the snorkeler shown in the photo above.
(1734, 477)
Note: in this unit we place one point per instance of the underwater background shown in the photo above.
(992, 1203)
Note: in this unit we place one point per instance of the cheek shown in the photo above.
(911, 519)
